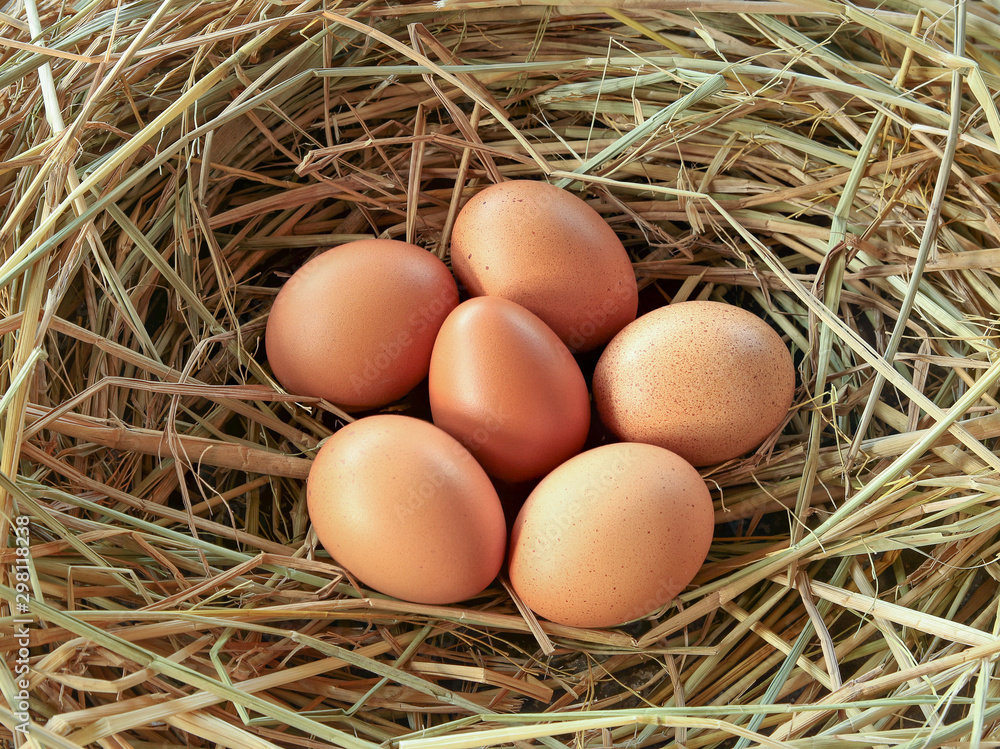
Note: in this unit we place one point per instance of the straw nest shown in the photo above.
(166, 165)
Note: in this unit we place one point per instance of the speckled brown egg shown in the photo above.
(707, 380)
(507, 388)
(407, 510)
(611, 535)
(548, 250)
(356, 324)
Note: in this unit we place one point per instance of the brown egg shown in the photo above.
(408, 510)
(504, 385)
(546, 249)
(356, 324)
(707, 380)
(611, 535)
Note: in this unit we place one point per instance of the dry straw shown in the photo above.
(164, 166)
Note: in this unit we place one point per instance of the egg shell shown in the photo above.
(611, 535)
(406, 509)
(356, 324)
(504, 385)
(707, 380)
(546, 249)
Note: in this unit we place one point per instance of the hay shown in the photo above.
(164, 166)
